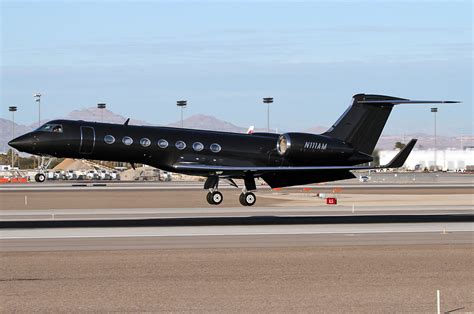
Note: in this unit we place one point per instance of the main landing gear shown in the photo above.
(247, 198)
(214, 197)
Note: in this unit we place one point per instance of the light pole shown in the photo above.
(12, 109)
(101, 107)
(268, 101)
(182, 104)
(37, 97)
(434, 111)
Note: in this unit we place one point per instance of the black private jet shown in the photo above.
(281, 160)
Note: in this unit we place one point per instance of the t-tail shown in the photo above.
(362, 123)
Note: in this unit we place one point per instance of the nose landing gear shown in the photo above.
(42, 166)
(40, 177)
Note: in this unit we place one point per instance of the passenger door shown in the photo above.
(87, 140)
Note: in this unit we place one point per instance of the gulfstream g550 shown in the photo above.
(280, 159)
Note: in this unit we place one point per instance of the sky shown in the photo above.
(224, 56)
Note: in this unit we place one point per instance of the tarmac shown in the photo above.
(316, 279)
(161, 247)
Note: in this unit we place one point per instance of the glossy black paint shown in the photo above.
(82, 139)
(300, 159)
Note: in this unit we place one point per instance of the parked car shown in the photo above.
(364, 179)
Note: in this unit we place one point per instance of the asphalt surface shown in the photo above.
(251, 264)
(217, 236)
(218, 211)
(316, 279)
(141, 197)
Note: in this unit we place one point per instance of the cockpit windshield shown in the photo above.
(55, 128)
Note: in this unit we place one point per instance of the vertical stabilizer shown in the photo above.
(362, 123)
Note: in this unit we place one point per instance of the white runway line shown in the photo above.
(215, 210)
(132, 232)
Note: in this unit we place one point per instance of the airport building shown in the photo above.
(446, 160)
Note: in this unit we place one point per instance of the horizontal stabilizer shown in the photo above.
(402, 156)
(407, 101)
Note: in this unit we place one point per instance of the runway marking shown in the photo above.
(226, 234)
(87, 217)
(212, 210)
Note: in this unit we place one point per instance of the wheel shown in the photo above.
(216, 197)
(247, 199)
(242, 199)
(209, 198)
(40, 177)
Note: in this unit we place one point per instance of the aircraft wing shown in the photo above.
(396, 162)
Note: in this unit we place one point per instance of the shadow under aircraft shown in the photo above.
(281, 160)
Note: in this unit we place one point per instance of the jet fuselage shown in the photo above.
(164, 147)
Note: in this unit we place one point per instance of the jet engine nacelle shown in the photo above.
(297, 146)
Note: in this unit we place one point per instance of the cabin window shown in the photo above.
(163, 143)
(127, 140)
(56, 128)
(197, 146)
(145, 142)
(215, 148)
(109, 139)
(180, 145)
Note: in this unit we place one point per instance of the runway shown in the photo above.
(93, 216)
(238, 228)
(161, 247)
(217, 212)
(336, 278)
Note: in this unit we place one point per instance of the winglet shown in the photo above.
(402, 156)
(126, 122)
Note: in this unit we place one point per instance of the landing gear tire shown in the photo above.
(209, 198)
(40, 177)
(247, 199)
(214, 198)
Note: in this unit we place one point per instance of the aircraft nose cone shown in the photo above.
(21, 143)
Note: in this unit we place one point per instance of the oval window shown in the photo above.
(163, 143)
(109, 139)
(198, 146)
(145, 142)
(180, 145)
(127, 140)
(215, 148)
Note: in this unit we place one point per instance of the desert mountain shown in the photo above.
(200, 121)
(206, 122)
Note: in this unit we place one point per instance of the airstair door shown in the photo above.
(87, 140)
